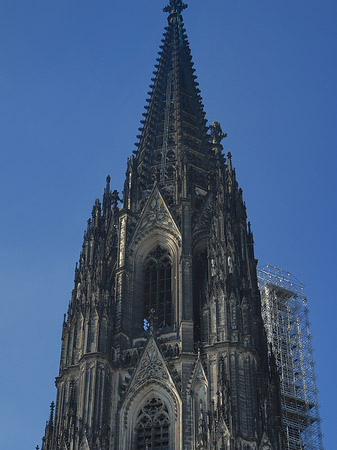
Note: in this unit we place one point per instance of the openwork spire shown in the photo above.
(174, 132)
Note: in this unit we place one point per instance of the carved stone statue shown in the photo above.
(217, 134)
(230, 264)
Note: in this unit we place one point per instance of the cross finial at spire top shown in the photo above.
(175, 7)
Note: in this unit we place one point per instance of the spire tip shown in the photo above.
(175, 7)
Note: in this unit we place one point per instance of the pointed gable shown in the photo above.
(265, 443)
(152, 368)
(204, 219)
(198, 375)
(84, 444)
(64, 446)
(155, 215)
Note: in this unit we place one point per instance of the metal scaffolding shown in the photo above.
(286, 319)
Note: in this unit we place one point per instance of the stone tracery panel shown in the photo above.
(152, 426)
(158, 286)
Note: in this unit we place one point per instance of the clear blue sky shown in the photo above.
(73, 81)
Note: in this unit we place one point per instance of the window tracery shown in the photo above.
(152, 426)
(158, 286)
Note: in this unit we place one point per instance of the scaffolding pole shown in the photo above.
(286, 319)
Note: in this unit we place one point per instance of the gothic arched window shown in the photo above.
(158, 286)
(152, 426)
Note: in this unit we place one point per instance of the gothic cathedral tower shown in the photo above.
(163, 346)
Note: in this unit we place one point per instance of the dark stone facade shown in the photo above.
(176, 254)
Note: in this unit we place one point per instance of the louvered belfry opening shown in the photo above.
(152, 427)
(158, 287)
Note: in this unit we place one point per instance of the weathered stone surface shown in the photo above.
(163, 340)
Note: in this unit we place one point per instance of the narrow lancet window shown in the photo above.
(158, 287)
(152, 427)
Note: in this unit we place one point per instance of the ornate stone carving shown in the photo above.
(122, 241)
(151, 366)
(203, 220)
(155, 215)
(84, 444)
(201, 428)
(265, 443)
(198, 376)
(217, 133)
(175, 6)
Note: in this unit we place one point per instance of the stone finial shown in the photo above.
(175, 6)
(107, 186)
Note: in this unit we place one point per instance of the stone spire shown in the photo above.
(174, 130)
(163, 343)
